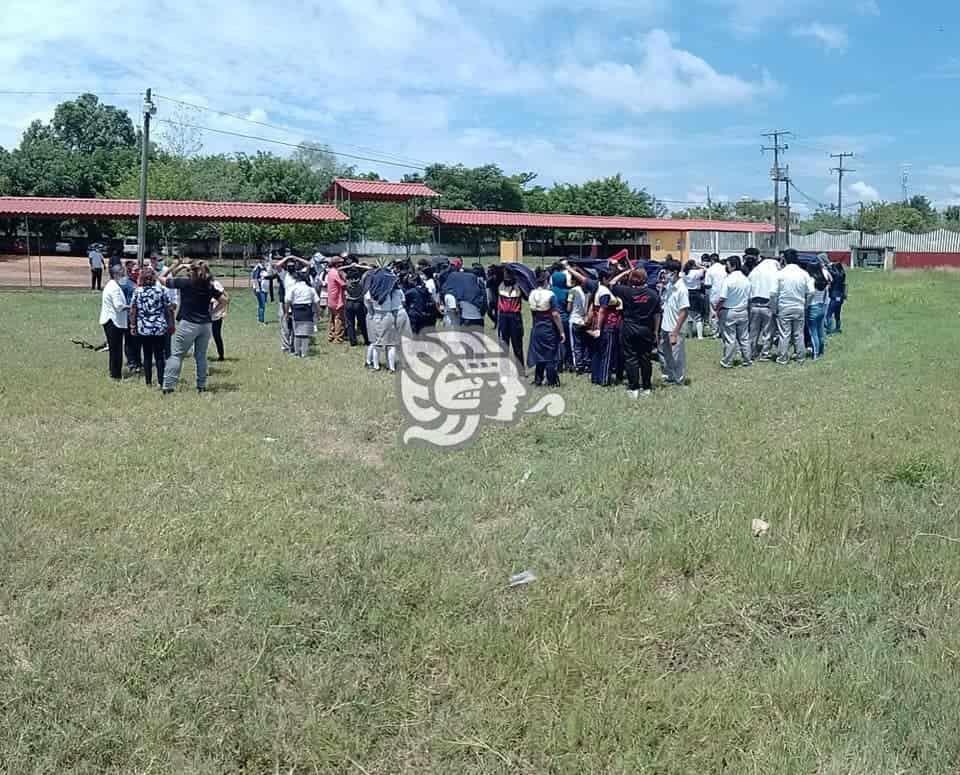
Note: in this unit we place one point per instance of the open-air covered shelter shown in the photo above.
(644, 238)
(65, 208)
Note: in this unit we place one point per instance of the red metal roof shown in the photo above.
(496, 219)
(166, 210)
(378, 190)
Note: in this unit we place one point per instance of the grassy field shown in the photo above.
(261, 580)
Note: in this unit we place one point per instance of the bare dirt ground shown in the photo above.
(74, 272)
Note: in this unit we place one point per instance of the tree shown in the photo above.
(889, 216)
(951, 217)
(180, 137)
(824, 220)
(475, 188)
(86, 126)
(718, 211)
(925, 207)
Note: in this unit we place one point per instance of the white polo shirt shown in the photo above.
(675, 299)
(764, 279)
(716, 274)
(796, 287)
(735, 292)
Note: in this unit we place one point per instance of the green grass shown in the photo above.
(180, 594)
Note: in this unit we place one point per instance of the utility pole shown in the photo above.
(709, 203)
(778, 177)
(787, 187)
(840, 173)
(149, 110)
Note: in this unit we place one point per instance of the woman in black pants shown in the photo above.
(113, 318)
(217, 314)
(151, 317)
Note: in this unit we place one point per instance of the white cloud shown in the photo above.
(666, 79)
(864, 192)
(831, 36)
(854, 99)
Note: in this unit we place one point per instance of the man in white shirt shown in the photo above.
(113, 318)
(713, 282)
(735, 303)
(763, 292)
(676, 307)
(795, 289)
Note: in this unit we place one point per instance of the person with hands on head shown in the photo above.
(286, 270)
(302, 305)
(194, 319)
(151, 318)
(581, 304)
(641, 328)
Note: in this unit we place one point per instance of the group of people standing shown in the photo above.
(767, 309)
(611, 320)
(360, 302)
(155, 315)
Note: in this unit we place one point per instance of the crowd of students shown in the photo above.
(608, 319)
(155, 315)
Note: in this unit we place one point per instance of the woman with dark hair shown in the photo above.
(641, 328)
(817, 311)
(113, 318)
(606, 362)
(217, 314)
(547, 336)
(693, 278)
(838, 295)
(387, 318)
(151, 317)
(302, 305)
(197, 291)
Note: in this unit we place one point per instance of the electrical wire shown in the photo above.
(281, 142)
(808, 197)
(238, 117)
(78, 92)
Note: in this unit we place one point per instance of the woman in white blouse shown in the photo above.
(113, 318)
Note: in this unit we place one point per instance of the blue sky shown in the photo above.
(673, 95)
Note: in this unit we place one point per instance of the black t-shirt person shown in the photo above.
(640, 306)
(194, 299)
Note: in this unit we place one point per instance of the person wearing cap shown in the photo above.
(336, 300)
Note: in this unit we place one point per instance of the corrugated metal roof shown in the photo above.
(497, 219)
(939, 241)
(379, 190)
(168, 210)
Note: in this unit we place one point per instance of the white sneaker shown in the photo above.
(646, 393)
(634, 394)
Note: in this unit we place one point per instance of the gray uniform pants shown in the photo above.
(736, 337)
(195, 335)
(286, 333)
(673, 359)
(761, 331)
(790, 327)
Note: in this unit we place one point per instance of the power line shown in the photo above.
(281, 142)
(238, 117)
(809, 198)
(78, 92)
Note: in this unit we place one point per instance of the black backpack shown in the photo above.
(354, 284)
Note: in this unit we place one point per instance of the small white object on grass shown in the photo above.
(522, 579)
(760, 528)
(269, 440)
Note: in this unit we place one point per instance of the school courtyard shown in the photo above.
(263, 579)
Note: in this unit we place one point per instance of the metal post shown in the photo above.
(29, 263)
(787, 235)
(149, 110)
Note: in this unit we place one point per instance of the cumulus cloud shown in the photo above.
(831, 36)
(665, 79)
(864, 192)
